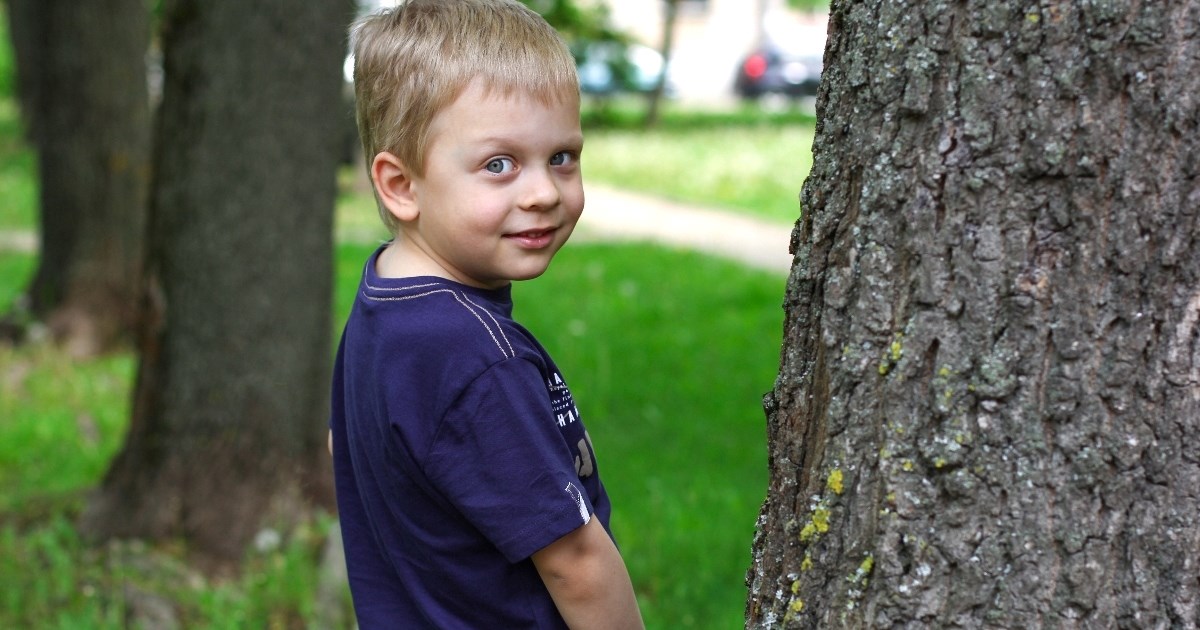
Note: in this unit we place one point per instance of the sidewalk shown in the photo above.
(618, 215)
(615, 214)
(18, 241)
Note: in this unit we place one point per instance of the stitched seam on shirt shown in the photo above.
(407, 288)
(499, 328)
(460, 300)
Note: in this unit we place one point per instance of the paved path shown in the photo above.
(615, 214)
(18, 241)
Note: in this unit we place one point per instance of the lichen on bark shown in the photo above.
(993, 325)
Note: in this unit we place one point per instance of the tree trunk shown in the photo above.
(667, 45)
(82, 80)
(228, 427)
(988, 406)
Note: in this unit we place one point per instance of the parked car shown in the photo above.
(612, 67)
(774, 69)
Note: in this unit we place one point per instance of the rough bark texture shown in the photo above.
(988, 407)
(228, 427)
(82, 80)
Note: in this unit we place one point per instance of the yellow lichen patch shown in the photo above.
(797, 606)
(805, 565)
(907, 465)
(867, 565)
(834, 482)
(821, 520)
(817, 525)
(892, 355)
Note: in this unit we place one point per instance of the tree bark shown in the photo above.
(229, 415)
(82, 84)
(666, 47)
(988, 406)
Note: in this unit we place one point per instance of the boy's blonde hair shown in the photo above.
(412, 61)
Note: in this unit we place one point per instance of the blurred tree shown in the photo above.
(228, 424)
(578, 23)
(988, 408)
(596, 44)
(666, 48)
(81, 82)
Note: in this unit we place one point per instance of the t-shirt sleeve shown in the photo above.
(501, 460)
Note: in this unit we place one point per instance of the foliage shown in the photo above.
(591, 36)
(578, 22)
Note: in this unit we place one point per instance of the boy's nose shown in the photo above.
(540, 191)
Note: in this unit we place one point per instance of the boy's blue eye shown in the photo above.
(499, 166)
(562, 158)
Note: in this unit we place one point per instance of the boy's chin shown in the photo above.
(528, 272)
(529, 275)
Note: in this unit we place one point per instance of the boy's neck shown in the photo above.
(397, 260)
(402, 258)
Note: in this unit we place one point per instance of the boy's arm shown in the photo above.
(588, 581)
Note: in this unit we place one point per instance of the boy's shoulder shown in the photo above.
(442, 318)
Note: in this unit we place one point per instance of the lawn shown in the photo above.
(746, 160)
(668, 353)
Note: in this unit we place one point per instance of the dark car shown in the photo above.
(772, 69)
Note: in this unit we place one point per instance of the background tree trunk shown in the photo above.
(988, 407)
(81, 76)
(228, 427)
(666, 46)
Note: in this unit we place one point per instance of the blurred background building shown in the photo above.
(723, 50)
(714, 39)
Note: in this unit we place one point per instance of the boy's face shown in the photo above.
(502, 188)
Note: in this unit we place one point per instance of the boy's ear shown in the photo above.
(394, 185)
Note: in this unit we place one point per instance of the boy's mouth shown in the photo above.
(534, 239)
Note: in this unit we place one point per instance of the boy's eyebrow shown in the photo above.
(573, 141)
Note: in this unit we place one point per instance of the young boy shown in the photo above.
(467, 487)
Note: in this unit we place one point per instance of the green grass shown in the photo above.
(62, 423)
(17, 183)
(747, 161)
(668, 353)
(18, 188)
(55, 580)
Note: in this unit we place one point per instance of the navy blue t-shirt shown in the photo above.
(458, 453)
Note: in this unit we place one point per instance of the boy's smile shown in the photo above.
(501, 192)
